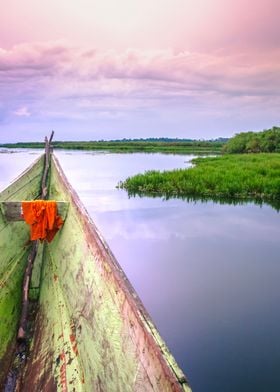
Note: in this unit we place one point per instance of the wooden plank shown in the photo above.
(12, 211)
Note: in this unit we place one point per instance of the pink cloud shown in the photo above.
(22, 112)
(51, 80)
(185, 68)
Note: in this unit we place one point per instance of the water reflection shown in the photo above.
(275, 203)
(208, 274)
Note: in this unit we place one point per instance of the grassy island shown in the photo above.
(229, 177)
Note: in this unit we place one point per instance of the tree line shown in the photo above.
(131, 145)
(254, 142)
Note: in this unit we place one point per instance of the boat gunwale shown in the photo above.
(168, 362)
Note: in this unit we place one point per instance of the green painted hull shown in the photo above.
(92, 332)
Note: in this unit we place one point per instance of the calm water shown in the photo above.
(207, 273)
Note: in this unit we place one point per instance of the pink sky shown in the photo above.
(111, 69)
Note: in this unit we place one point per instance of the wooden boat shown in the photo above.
(90, 332)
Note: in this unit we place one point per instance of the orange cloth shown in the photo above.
(42, 217)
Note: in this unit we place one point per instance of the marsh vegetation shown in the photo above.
(228, 177)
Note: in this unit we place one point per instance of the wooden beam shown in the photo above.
(12, 211)
(32, 255)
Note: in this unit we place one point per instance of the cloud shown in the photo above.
(22, 112)
(34, 64)
(56, 80)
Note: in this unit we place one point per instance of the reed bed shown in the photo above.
(239, 176)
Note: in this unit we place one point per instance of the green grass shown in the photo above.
(228, 178)
(174, 146)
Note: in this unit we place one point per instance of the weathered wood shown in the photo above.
(28, 272)
(14, 250)
(44, 188)
(25, 290)
(12, 211)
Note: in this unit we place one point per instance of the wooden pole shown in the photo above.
(44, 188)
(25, 289)
(21, 336)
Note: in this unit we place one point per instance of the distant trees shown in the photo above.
(254, 142)
(133, 145)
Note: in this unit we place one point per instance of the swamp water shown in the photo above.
(207, 273)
